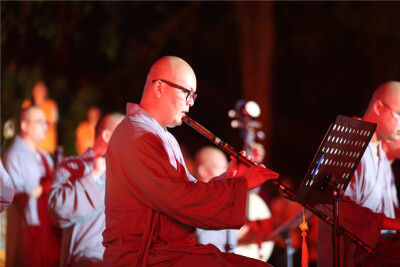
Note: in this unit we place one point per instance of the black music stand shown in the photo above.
(333, 166)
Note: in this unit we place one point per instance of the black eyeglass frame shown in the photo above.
(394, 111)
(191, 94)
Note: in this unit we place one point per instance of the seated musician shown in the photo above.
(370, 208)
(152, 204)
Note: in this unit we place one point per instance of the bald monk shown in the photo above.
(370, 207)
(31, 172)
(76, 199)
(212, 162)
(153, 205)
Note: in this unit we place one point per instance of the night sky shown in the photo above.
(328, 58)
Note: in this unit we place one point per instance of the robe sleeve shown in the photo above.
(6, 189)
(359, 220)
(74, 194)
(150, 178)
(17, 172)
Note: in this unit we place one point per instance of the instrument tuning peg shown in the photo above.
(252, 109)
(232, 113)
(260, 135)
(235, 124)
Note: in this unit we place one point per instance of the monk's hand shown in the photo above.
(37, 191)
(257, 152)
(236, 168)
(257, 175)
(99, 167)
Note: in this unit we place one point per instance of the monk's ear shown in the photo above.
(377, 107)
(24, 126)
(106, 135)
(158, 88)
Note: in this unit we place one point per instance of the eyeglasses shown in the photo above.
(190, 94)
(394, 111)
(38, 121)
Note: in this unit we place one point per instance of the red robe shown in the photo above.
(153, 208)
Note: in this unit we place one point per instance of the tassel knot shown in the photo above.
(304, 250)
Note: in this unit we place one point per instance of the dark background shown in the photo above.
(328, 58)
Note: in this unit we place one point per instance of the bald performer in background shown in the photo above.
(31, 172)
(211, 162)
(370, 207)
(153, 204)
(76, 200)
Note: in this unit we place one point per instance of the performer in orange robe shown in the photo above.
(85, 131)
(50, 109)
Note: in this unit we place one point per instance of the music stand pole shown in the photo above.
(337, 194)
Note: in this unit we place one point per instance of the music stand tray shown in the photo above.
(337, 158)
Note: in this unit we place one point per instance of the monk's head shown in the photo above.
(210, 162)
(33, 124)
(39, 92)
(93, 115)
(103, 131)
(384, 110)
(169, 91)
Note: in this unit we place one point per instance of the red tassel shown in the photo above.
(304, 250)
